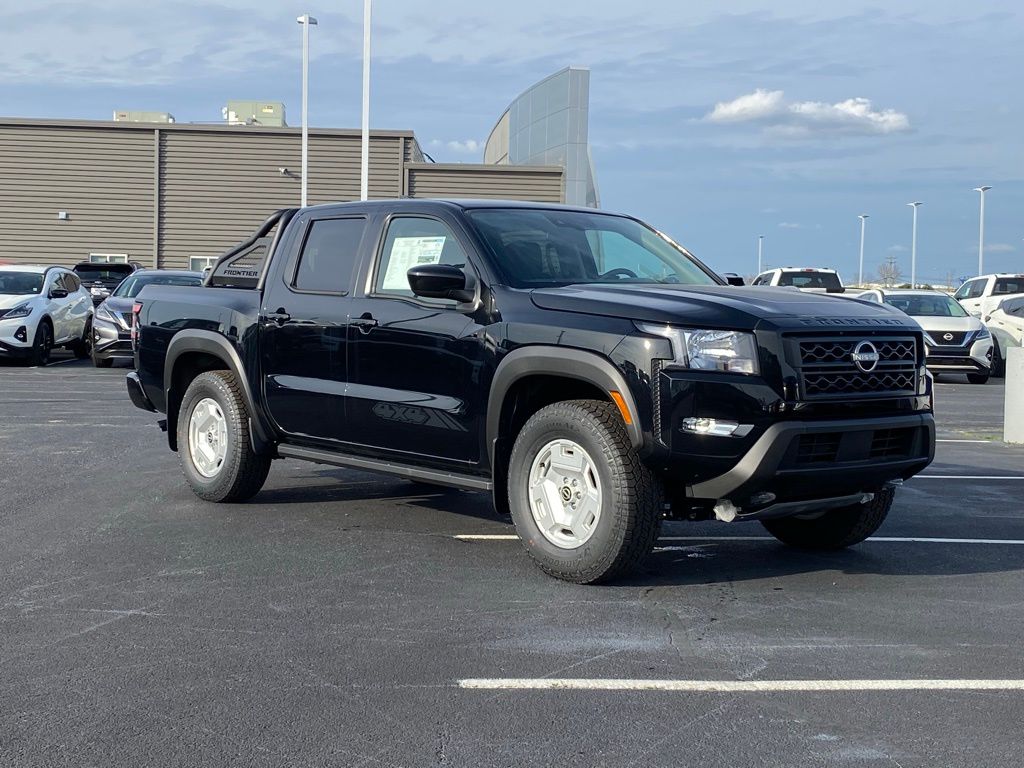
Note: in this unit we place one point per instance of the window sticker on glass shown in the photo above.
(408, 252)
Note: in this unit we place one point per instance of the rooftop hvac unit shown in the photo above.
(135, 116)
(270, 113)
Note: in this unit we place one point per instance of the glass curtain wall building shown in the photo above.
(548, 125)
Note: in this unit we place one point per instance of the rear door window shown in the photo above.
(329, 255)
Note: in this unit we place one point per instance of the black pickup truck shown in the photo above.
(584, 368)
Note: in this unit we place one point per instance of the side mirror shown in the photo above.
(58, 293)
(440, 281)
(733, 279)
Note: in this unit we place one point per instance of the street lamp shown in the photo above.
(364, 170)
(981, 230)
(306, 21)
(860, 279)
(760, 251)
(913, 248)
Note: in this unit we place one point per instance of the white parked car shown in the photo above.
(809, 279)
(955, 341)
(1007, 326)
(42, 308)
(981, 295)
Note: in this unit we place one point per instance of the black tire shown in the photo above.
(243, 472)
(998, 363)
(836, 528)
(42, 344)
(83, 347)
(978, 378)
(630, 514)
(101, 362)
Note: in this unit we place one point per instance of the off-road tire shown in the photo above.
(42, 344)
(835, 528)
(243, 472)
(631, 497)
(83, 347)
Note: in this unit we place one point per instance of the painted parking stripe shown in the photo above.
(978, 442)
(968, 477)
(883, 539)
(734, 686)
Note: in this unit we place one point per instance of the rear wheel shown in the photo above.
(833, 529)
(213, 440)
(42, 344)
(584, 505)
(83, 346)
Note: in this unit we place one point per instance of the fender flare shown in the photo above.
(556, 361)
(208, 342)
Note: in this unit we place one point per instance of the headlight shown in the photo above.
(105, 314)
(22, 310)
(983, 334)
(708, 350)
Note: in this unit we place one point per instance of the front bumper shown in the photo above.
(16, 336)
(109, 341)
(801, 460)
(975, 358)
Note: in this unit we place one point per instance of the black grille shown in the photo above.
(818, 448)
(891, 443)
(828, 370)
(957, 338)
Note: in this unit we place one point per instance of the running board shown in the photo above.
(439, 477)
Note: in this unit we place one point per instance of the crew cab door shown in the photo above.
(419, 370)
(304, 327)
(970, 295)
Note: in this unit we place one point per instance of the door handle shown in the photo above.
(365, 322)
(280, 317)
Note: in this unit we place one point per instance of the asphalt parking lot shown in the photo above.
(337, 620)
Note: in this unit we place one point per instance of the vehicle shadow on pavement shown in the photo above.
(679, 564)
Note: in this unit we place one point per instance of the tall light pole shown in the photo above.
(760, 251)
(860, 278)
(981, 230)
(306, 21)
(913, 247)
(364, 171)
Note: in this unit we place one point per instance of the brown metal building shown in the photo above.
(177, 195)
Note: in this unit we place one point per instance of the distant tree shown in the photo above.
(889, 272)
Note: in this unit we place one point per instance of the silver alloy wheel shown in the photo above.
(207, 437)
(565, 493)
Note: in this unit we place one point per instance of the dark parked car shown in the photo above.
(100, 278)
(590, 373)
(111, 325)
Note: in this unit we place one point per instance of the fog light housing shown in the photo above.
(715, 427)
(21, 334)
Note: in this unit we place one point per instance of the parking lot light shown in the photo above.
(981, 229)
(913, 247)
(306, 21)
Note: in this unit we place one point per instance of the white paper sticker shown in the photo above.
(408, 252)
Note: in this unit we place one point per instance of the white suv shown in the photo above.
(810, 280)
(42, 308)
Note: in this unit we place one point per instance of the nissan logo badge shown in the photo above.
(865, 356)
(947, 336)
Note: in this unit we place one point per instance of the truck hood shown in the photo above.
(717, 306)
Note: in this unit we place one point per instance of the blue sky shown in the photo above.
(716, 122)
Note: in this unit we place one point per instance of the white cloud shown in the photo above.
(999, 248)
(789, 225)
(896, 248)
(808, 118)
(467, 147)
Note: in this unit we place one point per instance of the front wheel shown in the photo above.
(213, 440)
(977, 378)
(584, 505)
(833, 529)
(42, 345)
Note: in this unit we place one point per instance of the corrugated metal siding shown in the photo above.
(215, 189)
(503, 182)
(103, 178)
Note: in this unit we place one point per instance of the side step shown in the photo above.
(468, 482)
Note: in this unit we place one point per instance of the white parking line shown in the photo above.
(734, 686)
(968, 477)
(981, 442)
(882, 539)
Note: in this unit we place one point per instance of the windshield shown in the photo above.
(131, 287)
(542, 248)
(927, 305)
(20, 283)
(103, 271)
(1008, 285)
(808, 279)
